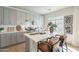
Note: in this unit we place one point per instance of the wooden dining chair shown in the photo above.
(58, 42)
(62, 42)
(44, 46)
(54, 44)
(47, 46)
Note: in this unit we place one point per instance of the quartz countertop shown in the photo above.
(5, 32)
(39, 37)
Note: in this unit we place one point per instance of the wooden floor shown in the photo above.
(16, 48)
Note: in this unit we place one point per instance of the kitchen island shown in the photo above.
(34, 38)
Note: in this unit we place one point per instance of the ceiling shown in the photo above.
(41, 9)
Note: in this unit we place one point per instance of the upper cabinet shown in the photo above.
(1, 16)
(30, 18)
(21, 17)
(10, 16)
(38, 21)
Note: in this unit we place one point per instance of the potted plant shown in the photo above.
(51, 27)
(1, 29)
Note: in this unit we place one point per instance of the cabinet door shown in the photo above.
(20, 37)
(1, 16)
(13, 17)
(13, 38)
(38, 20)
(21, 16)
(6, 16)
(5, 40)
(10, 16)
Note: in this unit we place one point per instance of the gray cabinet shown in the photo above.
(38, 20)
(7, 20)
(8, 39)
(5, 39)
(21, 17)
(1, 16)
(10, 16)
(30, 17)
(13, 17)
(13, 38)
(20, 37)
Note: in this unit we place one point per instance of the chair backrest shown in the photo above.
(59, 43)
(55, 43)
(44, 47)
(56, 46)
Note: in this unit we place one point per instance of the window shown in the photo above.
(59, 21)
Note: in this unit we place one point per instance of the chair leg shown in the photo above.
(62, 49)
(66, 47)
(37, 47)
(58, 50)
(51, 49)
(37, 50)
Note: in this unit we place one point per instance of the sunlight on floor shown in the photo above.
(70, 49)
(73, 50)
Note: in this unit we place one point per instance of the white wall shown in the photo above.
(74, 38)
(76, 26)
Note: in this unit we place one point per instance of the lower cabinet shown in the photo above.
(20, 37)
(13, 39)
(5, 40)
(10, 42)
